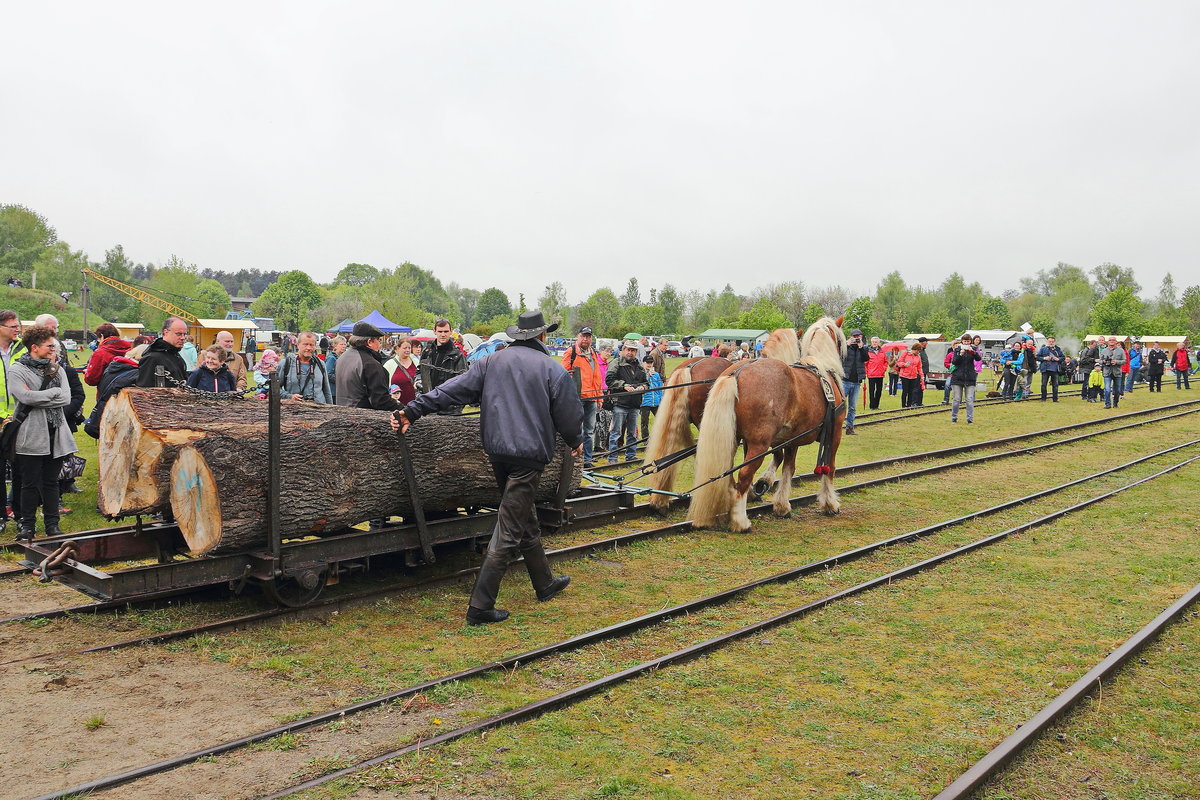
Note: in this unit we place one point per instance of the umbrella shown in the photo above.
(890, 346)
(633, 336)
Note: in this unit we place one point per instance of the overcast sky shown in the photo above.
(515, 143)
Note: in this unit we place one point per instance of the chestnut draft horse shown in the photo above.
(683, 408)
(762, 405)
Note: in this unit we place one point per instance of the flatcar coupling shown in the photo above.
(51, 564)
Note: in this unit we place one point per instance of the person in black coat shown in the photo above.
(624, 378)
(362, 380)
(122, 371)
(854, 369)
(164, 352)
(525, 400)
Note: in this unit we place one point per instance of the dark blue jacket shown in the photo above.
(1045, 352)
(119, 373)
(204, 378)
(524, 396)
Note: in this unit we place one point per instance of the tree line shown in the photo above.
(1065, 300)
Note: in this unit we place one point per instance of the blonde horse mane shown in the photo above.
(823, 345)
(671, 431)
(782, 345)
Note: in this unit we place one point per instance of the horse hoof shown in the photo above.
(760, 488)
(832, 512)
(783, 513)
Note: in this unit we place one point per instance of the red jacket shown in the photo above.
(877, 363)
(909, 363)
(108, 350)
(1180, 360)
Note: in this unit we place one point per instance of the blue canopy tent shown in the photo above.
(379, 321)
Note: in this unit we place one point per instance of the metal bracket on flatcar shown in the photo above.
(410, 477)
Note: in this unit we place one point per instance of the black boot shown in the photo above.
(477, 617)
(25, 530)
(52, 528)
(483, 596)
(540, 575)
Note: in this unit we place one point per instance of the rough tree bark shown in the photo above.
(338, 466)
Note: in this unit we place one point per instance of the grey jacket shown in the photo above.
(33, 439)
(1111, 359)
(314, 385)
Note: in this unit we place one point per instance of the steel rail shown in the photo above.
(1018, 437)
(965, 786)
(581, 640)
(980, 401)
(579, 693)
(939, 408)
(985, 768)
(617, 541)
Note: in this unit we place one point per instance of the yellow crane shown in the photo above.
(139, 294)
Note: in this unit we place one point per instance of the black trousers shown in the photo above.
(1155, 382)
(39, 487)
(645, 412)
(517, 532)
(874, 391)
(910, 391)
(1053, 378)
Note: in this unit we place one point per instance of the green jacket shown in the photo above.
(8, 403)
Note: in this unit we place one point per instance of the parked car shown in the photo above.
(676, 348)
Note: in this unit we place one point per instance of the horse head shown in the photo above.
(824, 345)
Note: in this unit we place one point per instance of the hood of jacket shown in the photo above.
(160, 345)
(116, 346)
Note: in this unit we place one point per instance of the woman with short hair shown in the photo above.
(44, 440)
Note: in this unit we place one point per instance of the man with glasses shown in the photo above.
(163, 353)
(11, 348)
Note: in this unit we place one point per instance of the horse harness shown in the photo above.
(827, 426)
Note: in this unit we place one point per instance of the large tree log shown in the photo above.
(338, 466)
(140, 434)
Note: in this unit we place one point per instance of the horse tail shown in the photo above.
(714, 453)
(672, 431)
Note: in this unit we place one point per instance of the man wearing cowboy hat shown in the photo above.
(362, 382)
(525, 398)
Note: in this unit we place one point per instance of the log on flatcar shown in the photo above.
(339, 466)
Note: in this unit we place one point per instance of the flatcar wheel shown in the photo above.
(294, 591)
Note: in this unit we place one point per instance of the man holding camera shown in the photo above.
(854, 369)
(625, 377)
(1111, 359)
(1050, 357)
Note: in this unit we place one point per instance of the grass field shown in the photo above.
(888, 695)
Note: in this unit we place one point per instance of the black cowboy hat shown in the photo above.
(530, 325)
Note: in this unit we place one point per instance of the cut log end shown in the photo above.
(119, 435)
(194, 501)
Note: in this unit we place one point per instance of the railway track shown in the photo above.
(334, 604)
(581, 692)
